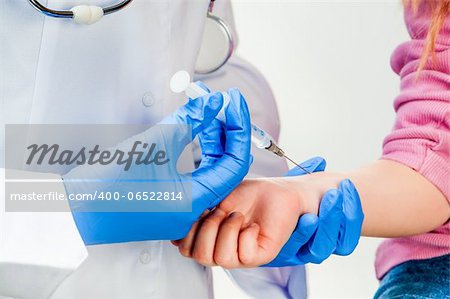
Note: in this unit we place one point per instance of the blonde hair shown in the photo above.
(438, 11)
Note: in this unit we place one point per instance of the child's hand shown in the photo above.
(253, 223)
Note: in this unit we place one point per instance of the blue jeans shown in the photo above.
(428, 278)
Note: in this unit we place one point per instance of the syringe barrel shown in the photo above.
(259, 137)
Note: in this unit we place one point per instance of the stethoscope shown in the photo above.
(217, 34)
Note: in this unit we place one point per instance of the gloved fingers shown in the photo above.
(207, 162)
(218, 177)
(189, 120)
(226, 249)
(324, 242)
(315, 164)
(229, 170)
(210, 183)
(238, 130)
(212, 140)
(354, 216)
(196, 113)
(199, 113)
(203, 247)
(306, 227)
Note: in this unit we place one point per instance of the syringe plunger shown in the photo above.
(181, 82)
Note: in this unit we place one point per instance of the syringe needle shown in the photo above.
(302, 168)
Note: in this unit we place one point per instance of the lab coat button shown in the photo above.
(148, 99)
(145, 257)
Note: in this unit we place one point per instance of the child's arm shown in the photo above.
(397, 201)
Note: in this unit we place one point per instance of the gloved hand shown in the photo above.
(222, 170)
(335, 231)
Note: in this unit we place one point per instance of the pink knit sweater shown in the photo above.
(420, 138)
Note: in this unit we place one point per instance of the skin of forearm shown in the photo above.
(397, 201)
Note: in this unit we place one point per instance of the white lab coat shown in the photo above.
(115, 71)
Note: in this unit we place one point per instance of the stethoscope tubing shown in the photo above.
(231, 44)
(67, 14)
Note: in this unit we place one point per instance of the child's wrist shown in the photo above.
(311, 188)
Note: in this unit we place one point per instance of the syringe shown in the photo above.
(181, 82)
(264, 141)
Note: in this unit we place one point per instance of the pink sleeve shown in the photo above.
(420, 138)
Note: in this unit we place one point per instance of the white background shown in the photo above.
(328, 65)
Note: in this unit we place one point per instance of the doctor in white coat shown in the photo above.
(116, 71)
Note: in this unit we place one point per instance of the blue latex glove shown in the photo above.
(211, 182)
(335, 231)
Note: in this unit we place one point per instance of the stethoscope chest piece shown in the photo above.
(217, 45)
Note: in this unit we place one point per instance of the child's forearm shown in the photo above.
(397, 201)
